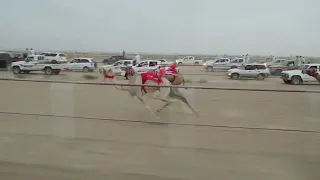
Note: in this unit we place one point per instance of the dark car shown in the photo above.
(6, 60)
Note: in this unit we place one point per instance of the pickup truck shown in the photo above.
(279, 65)
(223, 64)
(296, 77)
(188, 60)
(28, 66)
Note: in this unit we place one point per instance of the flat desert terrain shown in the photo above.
(81, 132)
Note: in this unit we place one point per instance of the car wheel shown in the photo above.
(48, 71)
(209, 68)
(16, 70)
(296, 80)
(85, 69)
(180, 63)
(260, 77)
(196, 63)
(235, 76)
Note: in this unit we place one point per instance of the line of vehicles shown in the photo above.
(262, 71)
(120, 66)
(54, 63)
(48, 62)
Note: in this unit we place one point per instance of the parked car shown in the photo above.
(82, 64)
(28, 66)
(52, 57)
(6, 60)
(258, 71)
(188, 60)
(223, 64)
(117, 67)
(299, 76)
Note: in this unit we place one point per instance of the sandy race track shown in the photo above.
(64, 131)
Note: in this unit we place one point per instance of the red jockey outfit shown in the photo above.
(150, 75)
(172, 70)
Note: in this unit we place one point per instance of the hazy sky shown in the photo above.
(262, 27)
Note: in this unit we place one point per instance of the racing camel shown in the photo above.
(165, 94)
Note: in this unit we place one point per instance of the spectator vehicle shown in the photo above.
(113, 59)
(82, 64)
(223, 64)
(188, 60)
(117, 67)
(54, 57)
(258, 71)
(28, 66)
(299, 76)
(6, 60)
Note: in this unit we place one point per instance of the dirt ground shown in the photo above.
(101, 133)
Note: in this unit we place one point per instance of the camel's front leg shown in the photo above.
(166, 100)
(143, 100)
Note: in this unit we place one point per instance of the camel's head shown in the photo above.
(109, 74)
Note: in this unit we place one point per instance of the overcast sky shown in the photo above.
(260, 27)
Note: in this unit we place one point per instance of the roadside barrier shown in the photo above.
(164, 86)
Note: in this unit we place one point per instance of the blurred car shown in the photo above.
(258, 71)
(82, 64)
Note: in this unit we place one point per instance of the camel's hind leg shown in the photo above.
(177, 95)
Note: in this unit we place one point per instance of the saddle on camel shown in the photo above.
(145, 76)
(152, 76)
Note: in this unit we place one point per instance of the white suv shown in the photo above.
(54, 56)
(299, 76)
(117, 67)
(258, 71)
(82, 64)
